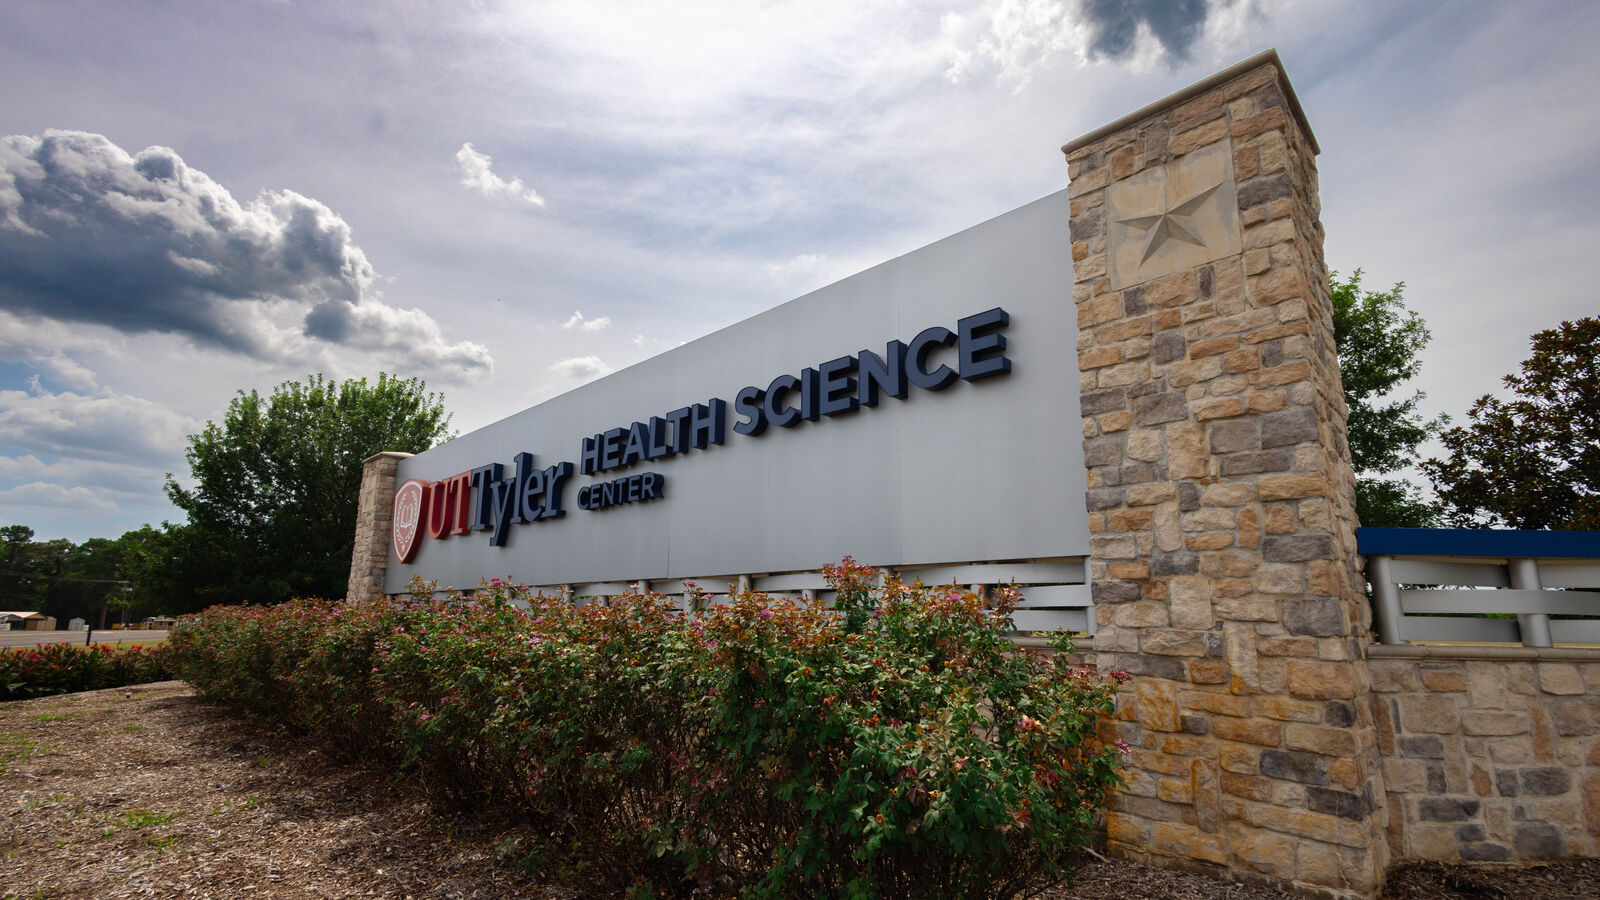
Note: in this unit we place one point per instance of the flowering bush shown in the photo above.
(898, 745)
(68, 668)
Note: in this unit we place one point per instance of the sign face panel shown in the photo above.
(408, 501)
(923, 411)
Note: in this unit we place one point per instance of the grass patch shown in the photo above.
(16, 749)
(55, 717)
(134, 819)
(135, 728)
(228, 806)
(38, 802)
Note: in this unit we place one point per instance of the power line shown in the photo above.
(64, 578)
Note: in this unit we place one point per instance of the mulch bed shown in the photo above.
(145, 791)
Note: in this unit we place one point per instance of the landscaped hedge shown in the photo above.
(68, 668)
(897, 745)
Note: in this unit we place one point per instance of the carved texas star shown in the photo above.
(1165, 224)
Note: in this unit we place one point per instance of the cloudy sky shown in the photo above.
(509, 199)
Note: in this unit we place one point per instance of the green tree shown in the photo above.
(14, 540)
(1378, 340)
(1532, 461)
(272, 508)
(67, 580)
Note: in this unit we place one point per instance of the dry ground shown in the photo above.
(146, 792)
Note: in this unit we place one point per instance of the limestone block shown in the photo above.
(1444, 678)
(1249, 525)
(1176, 839)
(1144, 614)
(1207, 671)
(1406, 776)
(1228, 494)
(1215, 703)
(1431, 714)
(1287, 709)
(1320, 680)
(1189, 597)
(1146, 444)
(1172, 642)
(1510, 750)
(1128, 373)
(1126, 829)
(1168, 538)
(1098, 357)
(1520, 679)
(1264, 732)
(1560, 678)
(1488, 722)
(1157, 708)
(1431, 841)
(1339, 742)
(1280, 579)
(1267, 852)
(1239, 758)
(1573, 716)
(1212, 540)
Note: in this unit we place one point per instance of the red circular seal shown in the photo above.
(410, 507)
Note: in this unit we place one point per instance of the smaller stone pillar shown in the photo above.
(369, 561)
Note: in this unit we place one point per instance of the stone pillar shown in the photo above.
(369, 561)
(1221, 499)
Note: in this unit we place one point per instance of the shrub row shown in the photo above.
(68, 668)
(895, 745)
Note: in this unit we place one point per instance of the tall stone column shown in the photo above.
(369, 561)
(1221, 499)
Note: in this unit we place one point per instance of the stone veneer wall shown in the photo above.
(369, 561)
(1223, 554)
(1490, 753)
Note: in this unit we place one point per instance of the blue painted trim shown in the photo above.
(1478, 542)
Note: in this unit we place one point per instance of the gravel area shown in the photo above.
(147, 792)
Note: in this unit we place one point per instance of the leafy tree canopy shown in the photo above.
(272, 509)
(1532, 461)
(1378, 340)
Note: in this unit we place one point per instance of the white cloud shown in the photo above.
(580, 323)
(116, 478)
(145, 243)
(43, 343)
(38, 495)
(113, 428)
(1016, 38)
(581, 369)
(408, 335)
(477, 175)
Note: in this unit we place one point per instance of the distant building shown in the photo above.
(25, 620)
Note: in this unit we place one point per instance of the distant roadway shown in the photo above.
(106, 636)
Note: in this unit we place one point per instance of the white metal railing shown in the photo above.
(1441, 585)
(1054, 591)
